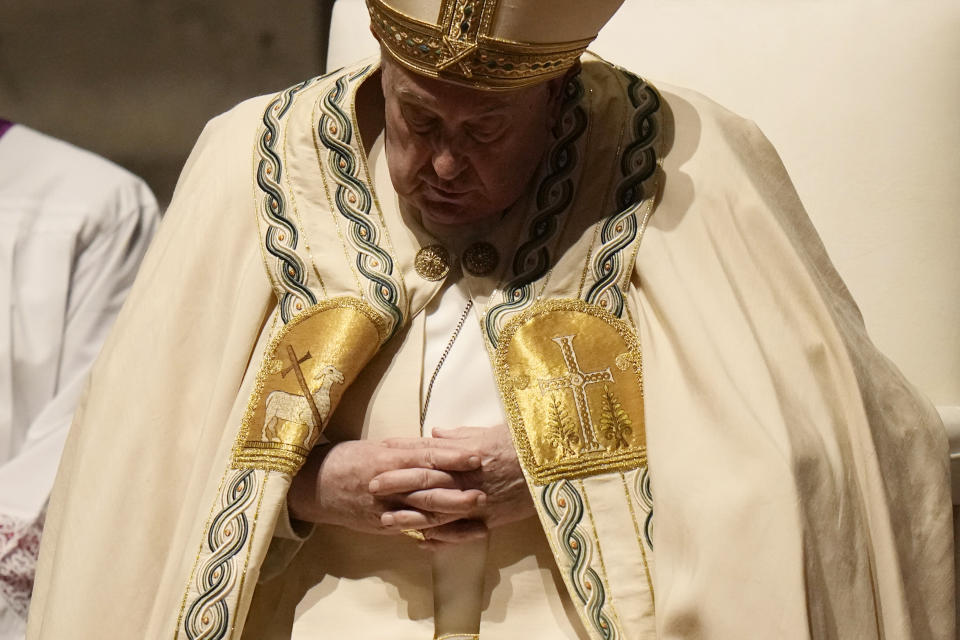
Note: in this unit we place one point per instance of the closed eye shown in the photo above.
(487, 129)
(418, 120)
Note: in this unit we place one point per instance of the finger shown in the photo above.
(418, 443)
(446, 501)
(454, 533)
(447, 459)
(407, 480)
(406, 443)
(456, 433)
(410, 519)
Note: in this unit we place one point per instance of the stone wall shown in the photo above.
(135, 80)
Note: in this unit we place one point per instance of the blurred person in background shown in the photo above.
(73, 230)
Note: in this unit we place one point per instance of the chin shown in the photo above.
(451, 215)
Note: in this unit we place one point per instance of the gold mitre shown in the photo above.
(488, 44)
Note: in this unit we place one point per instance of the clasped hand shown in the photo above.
(453, 487)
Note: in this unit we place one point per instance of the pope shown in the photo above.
(486, 337)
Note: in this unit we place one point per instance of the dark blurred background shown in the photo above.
(135, 80)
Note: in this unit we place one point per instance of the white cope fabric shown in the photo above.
(73, 229)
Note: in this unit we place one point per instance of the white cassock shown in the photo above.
(73, 230)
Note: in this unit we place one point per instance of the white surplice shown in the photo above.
(73, 229)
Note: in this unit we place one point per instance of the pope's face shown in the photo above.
(461, 155)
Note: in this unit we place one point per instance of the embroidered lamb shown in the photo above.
(292, 408)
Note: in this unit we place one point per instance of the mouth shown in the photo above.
(434, 192)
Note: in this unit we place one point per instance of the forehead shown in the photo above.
(440, 95)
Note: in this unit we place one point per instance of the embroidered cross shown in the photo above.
(456, 52)
(461, 24)
(294, 362)
(576, 380)
(295, 367)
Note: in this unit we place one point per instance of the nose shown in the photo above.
(447, 162)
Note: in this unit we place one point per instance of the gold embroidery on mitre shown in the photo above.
(305, 370)
(580, 412)
(461, 48)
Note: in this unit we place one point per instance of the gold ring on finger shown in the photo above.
(416, 534)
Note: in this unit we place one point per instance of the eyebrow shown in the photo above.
(406, 92)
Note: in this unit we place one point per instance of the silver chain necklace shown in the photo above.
(443, 357)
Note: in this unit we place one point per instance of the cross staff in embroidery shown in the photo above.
(295, 367)
(576, 380)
